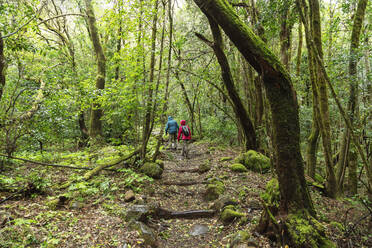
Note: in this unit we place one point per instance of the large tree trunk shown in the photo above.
(295, 202)
(289, 165)
(96, 114)
(239, 109)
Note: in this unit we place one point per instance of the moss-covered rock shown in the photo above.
(305, 231)
(205, 166)
(214, 189)
(272, 195)
(229, 214)
(238, 168)
(160, 163)
(223, 159)
(254, 161)
(152, 170)
(240, 237)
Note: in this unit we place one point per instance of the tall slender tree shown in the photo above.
(96, 113)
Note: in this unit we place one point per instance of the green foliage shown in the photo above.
(19, 233)
(134, 180)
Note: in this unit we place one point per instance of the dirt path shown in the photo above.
(177, 232)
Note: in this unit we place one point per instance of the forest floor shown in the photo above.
(94, 214)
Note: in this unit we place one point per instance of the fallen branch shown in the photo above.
(97, 169)
(47, 164)
(183, 183)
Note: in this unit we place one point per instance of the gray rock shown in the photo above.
(129, 196)
(198, 230)
(136, 212)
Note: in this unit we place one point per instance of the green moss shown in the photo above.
(254, 161)
(214, 189)
(160, 163)
(238, 168)
(223, 159)
(306, 231)
(152, 170)
(240, 237)
(204, 167)
(337, 225)
(272, 195)
(228, 215)
(52, 204)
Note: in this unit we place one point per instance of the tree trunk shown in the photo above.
(289, 165)
(285, 34)
(2, 66)
(96, 113)
(149, 98)
(299, 49)
(320, 89)
(162, 120)
(352, 107)
(239, 109)
(312, 146)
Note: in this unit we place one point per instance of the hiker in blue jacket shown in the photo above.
(172, 129)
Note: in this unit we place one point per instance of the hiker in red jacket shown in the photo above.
(185, 132)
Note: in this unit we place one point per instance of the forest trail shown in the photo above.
(244, 188)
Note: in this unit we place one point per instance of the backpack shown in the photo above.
(185, 131)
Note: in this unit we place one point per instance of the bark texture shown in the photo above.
(289, 165)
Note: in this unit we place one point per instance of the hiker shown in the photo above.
(171, 128)
(185, 131)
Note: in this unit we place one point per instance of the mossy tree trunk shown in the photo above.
(96, 114)
(150, 88)
(312, 146)
(325, 126)
(285, 33)
(163, 116)
(299, 49)
(352, 107)
(2, 66)
(289, 164)
(319, 89)
(238, 107)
